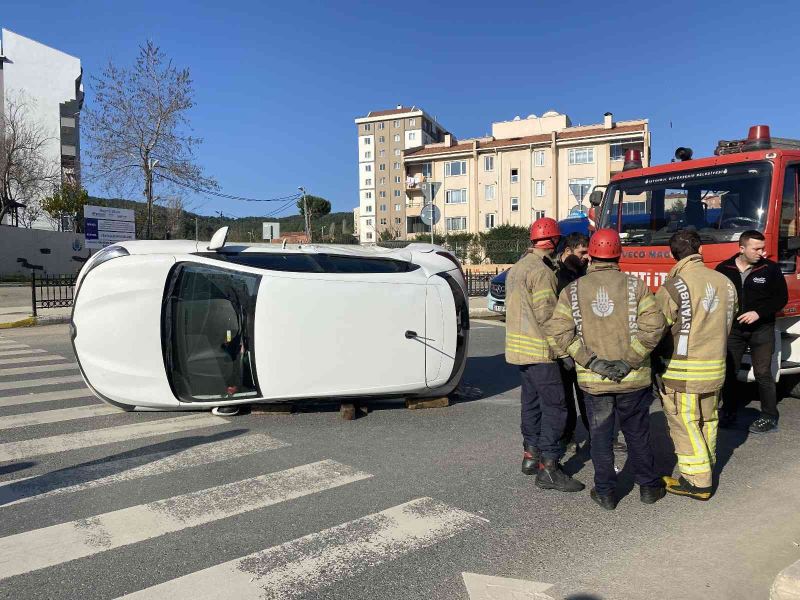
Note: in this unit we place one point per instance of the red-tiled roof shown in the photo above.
(519, 141)
(392, 111)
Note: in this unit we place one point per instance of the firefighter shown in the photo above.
(608, 322)
(699, 304)
(530, 298)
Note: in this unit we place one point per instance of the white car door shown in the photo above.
(326, 334)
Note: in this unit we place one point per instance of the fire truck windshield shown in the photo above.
(717, 202)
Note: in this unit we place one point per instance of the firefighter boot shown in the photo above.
(650, 494)
(551, 477)
(681, 487)
(608, 502)
(530, 460)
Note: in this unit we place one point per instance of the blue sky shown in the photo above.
(279, 83)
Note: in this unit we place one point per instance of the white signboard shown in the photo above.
(271, 231)
(104, 226)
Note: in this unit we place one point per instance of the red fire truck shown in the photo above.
(749, 183)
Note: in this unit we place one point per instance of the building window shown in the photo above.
(412, 122)
(581, 156)
(382, 167)
(397, 178)
(382, 139)
(488, 192)
(412, 136)
(455, 196)
(514, 175)
(382, 153)
(616, 151)
(427, 170)
(538, 158)
(396, 166)
(455, 167)
(397, 207)
(396, 137)
(368, 195)
(397, 220)
(578, 188)
(369, 221)
(367, 154)
(369, 235)
(397, 123)
(538, 214)
(368, 168)
(456, 223)
(538, 188)
(367, 141)
(368, 208)
(514, 204)
(397, 193)
(383, 180)
(397, 151)
(489, 220)
(383, 194)
(368, 181)
(380, 125)
(367, 126)
(382, 208)
(383, 221)
(488, 163)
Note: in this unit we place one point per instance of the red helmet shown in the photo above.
(605, 243)
(544, 229)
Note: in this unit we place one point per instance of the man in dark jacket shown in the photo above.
(762, 292)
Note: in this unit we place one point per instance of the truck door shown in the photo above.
(788, 260)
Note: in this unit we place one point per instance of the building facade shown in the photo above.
(49, 83)
(383, 137)
(527, 168)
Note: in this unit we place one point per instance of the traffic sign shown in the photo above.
(429, 190)
(430, 214)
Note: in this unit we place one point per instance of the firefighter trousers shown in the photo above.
(544, 410)
(692, 421)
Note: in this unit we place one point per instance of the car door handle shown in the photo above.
(410, 335)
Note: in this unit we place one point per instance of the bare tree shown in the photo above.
(174, 216)
(26, 172)
(139, 132)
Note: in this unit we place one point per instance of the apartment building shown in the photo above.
(383, 136)
(48, 82)
(527, 168)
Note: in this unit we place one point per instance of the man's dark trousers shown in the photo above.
(573, 394)
(761, 340)
(634, 417)
(544, 411)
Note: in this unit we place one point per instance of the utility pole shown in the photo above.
(195, 229)
(305, 213)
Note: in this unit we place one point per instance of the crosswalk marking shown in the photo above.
(26, 352)
(38, 369)
(313, 561)
(204, 450)
(29, 383)
(55, 416)
(30, 359)
(15, 347)
(98, 437)
(40, 548)
(33, 398)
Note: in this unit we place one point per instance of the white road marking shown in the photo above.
(204, 450)
(98, 437)
(38, 369)
(4, 352)
(28, 383)
(40, 548)
(486, 587)
(311, 562)
(30, 359)
(46, 396)
(14, 347)
(55, 416)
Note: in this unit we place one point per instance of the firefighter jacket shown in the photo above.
(612, 315)
(699, 305)
(530, 298)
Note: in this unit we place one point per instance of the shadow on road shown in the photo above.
(489, 376)
(13, 468)
(105, 467)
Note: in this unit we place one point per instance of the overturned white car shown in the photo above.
(182, 325)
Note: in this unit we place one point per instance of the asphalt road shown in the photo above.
(96, 503)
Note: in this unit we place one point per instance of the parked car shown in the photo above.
(187, 325)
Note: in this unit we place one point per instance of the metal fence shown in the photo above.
(51, 291)
(478, 283)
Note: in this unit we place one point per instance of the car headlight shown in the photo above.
(105, 255)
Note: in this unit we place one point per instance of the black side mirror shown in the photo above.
(596, 198)
(793, 243)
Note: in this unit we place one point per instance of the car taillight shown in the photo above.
(453, 260)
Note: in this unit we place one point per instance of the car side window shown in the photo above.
(314, 263)
(787, 227)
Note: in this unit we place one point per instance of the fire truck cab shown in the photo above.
(749, 183)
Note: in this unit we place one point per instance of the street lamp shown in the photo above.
(305, 213)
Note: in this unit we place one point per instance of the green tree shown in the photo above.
(67, 201)
(317, 207)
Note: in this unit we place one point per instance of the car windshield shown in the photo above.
(719, 203)
(208, 333)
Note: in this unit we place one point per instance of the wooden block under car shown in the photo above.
(416, 403)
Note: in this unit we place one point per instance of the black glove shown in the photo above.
(604, 368)
(622, 369)
(567, 363)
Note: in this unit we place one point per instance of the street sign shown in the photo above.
(270, 231)
(104, 226)
(430, 214)
(429, 190)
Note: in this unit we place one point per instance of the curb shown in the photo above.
(35, 321)
(484, 313)
(787, 584)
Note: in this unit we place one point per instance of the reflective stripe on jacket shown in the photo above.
(530, 298)
(699, 304)
(611, 315)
